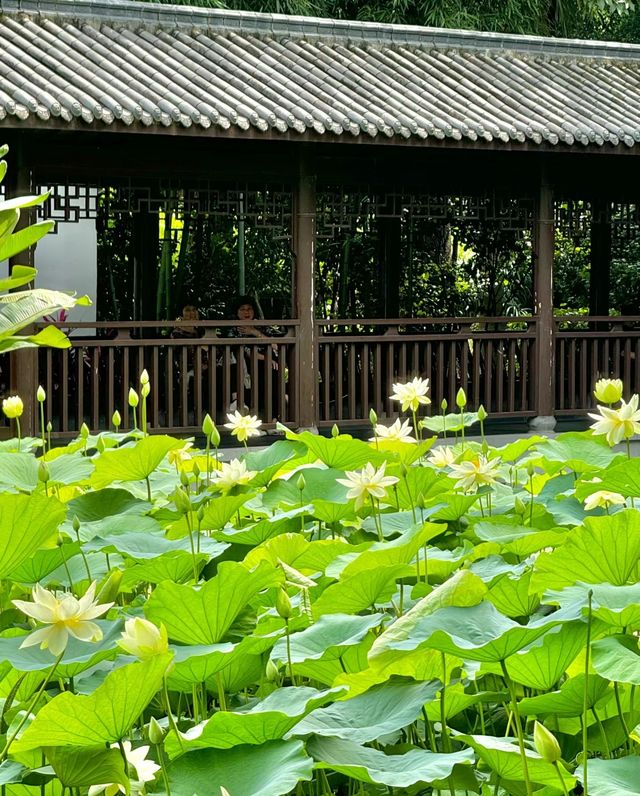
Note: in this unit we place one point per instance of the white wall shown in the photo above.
(68, 261)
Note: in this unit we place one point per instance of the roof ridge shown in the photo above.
(133, 11)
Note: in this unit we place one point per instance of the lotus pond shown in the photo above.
(322, 615)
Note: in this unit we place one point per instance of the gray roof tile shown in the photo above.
(181, 67)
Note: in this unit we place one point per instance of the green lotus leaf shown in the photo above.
(360, 591)
(78, 768)
(133, 462)
(569, 700)
(422, 481)
(578, 452)
(605, 549)
(27, 522)
(510, 594)
(18, 471)
(457, 700)
(479, 632)
(617, 658)
(616, 605)
(203, 614)
(271, 769)
(518, 539)
(69, 469)
(103, 717)
(381, 710)
(450, 508)
(176, 566)
(217, 514)
(43, 562)
(266, 720)
(145, 543)
(197, 663)
(612, 777)
(342, 453)
(307, 557)
(463, 589)
(256, 533)
(377, 768)
(318, 483)
(623, 477)
(105, 503)
(503, 757)
(328, 638)
(268, 462)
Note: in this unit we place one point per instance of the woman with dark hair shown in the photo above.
(252, 359)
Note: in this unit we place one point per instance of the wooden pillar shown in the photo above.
(600, 272)
(304, 243)
(543, 250)
(389, 248)
(24, 362)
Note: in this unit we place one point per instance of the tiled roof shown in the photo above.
(143, 65)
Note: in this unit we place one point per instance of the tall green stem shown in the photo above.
(518, 723)
(32, 705)
(585, 697)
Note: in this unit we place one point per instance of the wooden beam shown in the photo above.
(23, 363)
(304, 239)
(543, 249)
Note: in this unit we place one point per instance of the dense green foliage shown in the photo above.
(322, 616)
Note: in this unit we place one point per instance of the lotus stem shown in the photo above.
(516, 718)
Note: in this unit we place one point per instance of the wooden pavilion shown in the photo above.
(304, 127)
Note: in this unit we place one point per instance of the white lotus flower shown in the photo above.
(243, 426)
(367, 482)
(442, 456)
(145, 771)
(618, 424)
(411, 394)
(475, 473)
(234, 473)
(64, 616)
(400, 431)
(603, 499)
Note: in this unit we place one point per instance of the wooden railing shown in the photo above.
(189, 376)
(590, 348)
(492, 359)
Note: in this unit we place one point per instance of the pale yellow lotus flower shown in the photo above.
(179, 455)
(143, 639)
(64, 616)
(608, 391)
(367, 482)
(603, 499)
(475, 473)
(617, 424)
(400, 431)
(243, 426)
(411, 394)
(442, 456)
(143, 769)
(13, 406)
(234, 473)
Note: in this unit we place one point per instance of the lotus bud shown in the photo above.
(373, 417)
(215, 437)
(420, 501)
(145, 389)
(482, 413)
(196, 470)
(301, 483)
(181, 501)
(271, 671)
(100, 446)
(133, 398)
(283, 604)
(335, 431)
(116, 419)
(41, 395)
(49, 427)
(546, 743)
(75, 523)
(184, 478)
(156, 733)
(461, 399)
(519, 507)
(531, 469)
(608, 391)
(84, 431)
(200, 514)
(207, 425)
(110, 587)
(43, 472)
(444, 405)
(144, 377)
